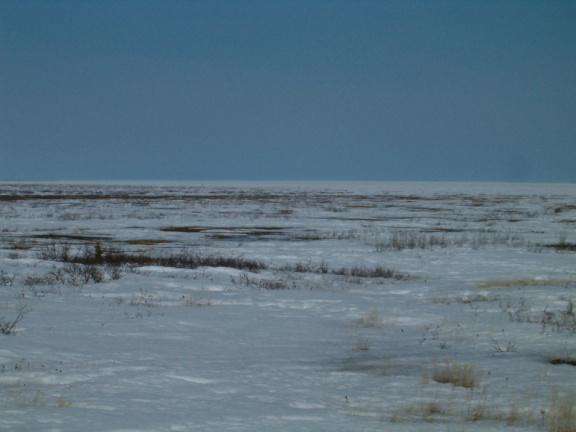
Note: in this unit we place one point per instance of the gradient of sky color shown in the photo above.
(423, 90)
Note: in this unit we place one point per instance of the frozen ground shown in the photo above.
(322, 339)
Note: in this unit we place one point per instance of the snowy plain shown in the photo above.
(367, 295)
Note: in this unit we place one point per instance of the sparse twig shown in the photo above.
(511, 347)
(8, 327)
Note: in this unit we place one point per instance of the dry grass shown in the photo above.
(427, 410)
(358, 271)
(97, 254)
(368, 272)
(371, 319)
(439, 410)
(561, 416)
(64, 403)
(457, 374)
(488, 411)
(403, 239)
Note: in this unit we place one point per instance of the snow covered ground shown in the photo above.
(381, 307)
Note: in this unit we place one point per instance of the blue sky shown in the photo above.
(427, 90)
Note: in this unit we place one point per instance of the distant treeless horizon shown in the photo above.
(277, 90)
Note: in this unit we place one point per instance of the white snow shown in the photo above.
(225, 349)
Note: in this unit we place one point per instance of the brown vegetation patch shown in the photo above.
(566, 361)
(147, 242)
(184, 229)
(94, 254)
(229, 233)
(565, 208)
(357, 271)
(529, 282)
(442, 229)
(52, 236)
(457, 374)
(564, 246)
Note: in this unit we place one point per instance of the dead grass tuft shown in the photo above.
(371, 319)
(457, 374)
(561, 416)
(426, 410)
(440, 409)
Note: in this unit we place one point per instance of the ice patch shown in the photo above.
(301, 418)
(192, 379)
(307, 405)
(214, 288)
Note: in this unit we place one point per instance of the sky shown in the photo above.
(389, 90)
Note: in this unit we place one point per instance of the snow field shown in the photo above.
(218, 348)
